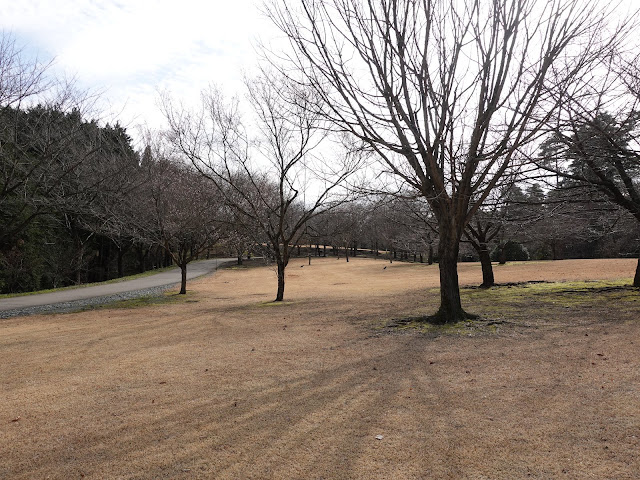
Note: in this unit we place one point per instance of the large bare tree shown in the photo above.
(445, 92)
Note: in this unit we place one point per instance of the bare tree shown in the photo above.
(276, 180)
(21, 79)
(184, 211)
(484, 227)
(445, 92)
(598, 152)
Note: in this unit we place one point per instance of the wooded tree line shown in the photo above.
(424, 131)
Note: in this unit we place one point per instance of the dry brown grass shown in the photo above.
(224, 384)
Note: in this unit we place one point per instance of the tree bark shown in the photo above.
(78, 262)
(636, 280)
(183, 283)
(280, 294)
(502, 255)
(487, 269)
(450, 310)
(142, 255)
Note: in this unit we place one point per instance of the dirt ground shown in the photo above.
(224, 384)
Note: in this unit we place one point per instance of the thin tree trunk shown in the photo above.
(79, 261)
(502, 254)
(636, 280)
(487, 269)
(183, 283)
(280, 294)
(430, 256)
(141, 259)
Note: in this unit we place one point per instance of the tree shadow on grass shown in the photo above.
(320, 424)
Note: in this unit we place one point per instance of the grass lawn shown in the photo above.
(334, 383)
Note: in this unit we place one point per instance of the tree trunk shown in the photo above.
(142, 255)
(183, 284)
(502, 254)
(280, 294)
(450, 310)
(430, 256)
(487, 268)
(636, 280)
(78, 263)
(239, 259)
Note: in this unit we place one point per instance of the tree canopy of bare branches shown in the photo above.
(270, 172)
(20, 78)
(446, 93)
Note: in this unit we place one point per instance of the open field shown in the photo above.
(224, 384)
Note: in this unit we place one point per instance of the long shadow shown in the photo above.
(317, 424)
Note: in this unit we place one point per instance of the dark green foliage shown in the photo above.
(59, 177)
(512, 251)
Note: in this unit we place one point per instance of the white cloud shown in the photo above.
(133, 48)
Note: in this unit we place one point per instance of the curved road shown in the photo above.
(99, 294)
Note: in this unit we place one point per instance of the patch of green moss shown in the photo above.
(272, 303)
(164, 299)
(462, 328)
(524, 304)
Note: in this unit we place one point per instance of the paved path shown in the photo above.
(110, 291)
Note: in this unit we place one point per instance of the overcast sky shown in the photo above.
(131, 49)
